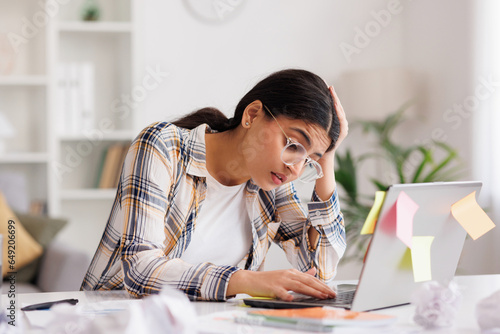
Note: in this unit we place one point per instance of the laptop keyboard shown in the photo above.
(342, 298)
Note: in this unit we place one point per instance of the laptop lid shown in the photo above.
(387, 275)
(387, 279)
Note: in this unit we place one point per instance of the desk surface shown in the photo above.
(474, 288)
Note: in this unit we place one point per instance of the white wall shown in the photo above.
(215, 64)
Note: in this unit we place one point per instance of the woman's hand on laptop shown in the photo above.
(277, 283)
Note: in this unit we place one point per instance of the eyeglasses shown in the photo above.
(295, 153)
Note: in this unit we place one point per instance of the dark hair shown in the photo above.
(293, 93)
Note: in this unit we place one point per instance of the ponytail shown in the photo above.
(211, 116)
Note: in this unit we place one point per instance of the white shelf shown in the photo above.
(23, 80)
(88, 194)
(112, 136)
(25, 158)
(32, 98)
(100, 27)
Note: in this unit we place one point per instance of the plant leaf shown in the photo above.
(379, 185)
(426, 160)
(431, 176)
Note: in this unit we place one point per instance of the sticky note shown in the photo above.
(405, 211)
(471, 216)
(421, 258)
(405, 263)
(371, 219)
(388, 221)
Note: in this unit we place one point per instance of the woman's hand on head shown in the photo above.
(278, 283)
(325, 186)
(344, 125)
(328, 157)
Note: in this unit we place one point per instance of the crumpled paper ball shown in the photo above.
(167, 312)
(436, 305)
(6, 322)
(488, 313)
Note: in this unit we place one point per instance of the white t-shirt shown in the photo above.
(223, 233)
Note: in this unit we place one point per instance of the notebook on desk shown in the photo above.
(387, 278)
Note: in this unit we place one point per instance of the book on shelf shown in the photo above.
(38, 207)
(111, 165)
(75, 102)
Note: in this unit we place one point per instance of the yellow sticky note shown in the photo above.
(421, 258)
(371, 220)
(471, 216)
(405, 263)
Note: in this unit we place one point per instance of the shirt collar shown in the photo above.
(197, 155)
(196, 151)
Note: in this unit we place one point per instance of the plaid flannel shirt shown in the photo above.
(161, 190)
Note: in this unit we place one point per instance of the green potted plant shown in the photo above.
(91, 10)
(429, 163)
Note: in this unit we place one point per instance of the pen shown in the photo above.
(47, 305)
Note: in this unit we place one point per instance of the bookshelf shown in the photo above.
(23, 81)
(25, 158)
(99, 27)
(61, 164)
(23, 102)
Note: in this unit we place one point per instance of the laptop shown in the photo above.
(387, 279)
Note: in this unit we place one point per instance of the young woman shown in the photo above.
(200, 200)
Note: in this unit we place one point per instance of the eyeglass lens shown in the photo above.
(310, 172)
(293, 153)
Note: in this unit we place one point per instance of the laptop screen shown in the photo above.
(387, 278)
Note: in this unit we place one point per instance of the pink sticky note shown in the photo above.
(471, 216)
(388, 221)
(405, 211)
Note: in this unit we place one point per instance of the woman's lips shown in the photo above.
(278, 178)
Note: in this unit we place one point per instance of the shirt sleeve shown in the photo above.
(295, 221)
(147, 178)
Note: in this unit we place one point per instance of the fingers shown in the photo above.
(339, 108)
(311, 271)
(309, 285)
(284, 295)
(309, 291)
(306, 284)
(344, 125)
(336, 101)
(279, 282)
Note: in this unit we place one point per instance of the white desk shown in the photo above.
(474, 288)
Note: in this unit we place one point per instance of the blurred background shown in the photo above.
(134, 63)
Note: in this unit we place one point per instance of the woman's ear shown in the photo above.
(250, 113)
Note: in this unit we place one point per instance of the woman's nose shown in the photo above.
(296, 169)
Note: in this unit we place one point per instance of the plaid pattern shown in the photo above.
(161, 189)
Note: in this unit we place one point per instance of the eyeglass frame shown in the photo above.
(307, 159)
